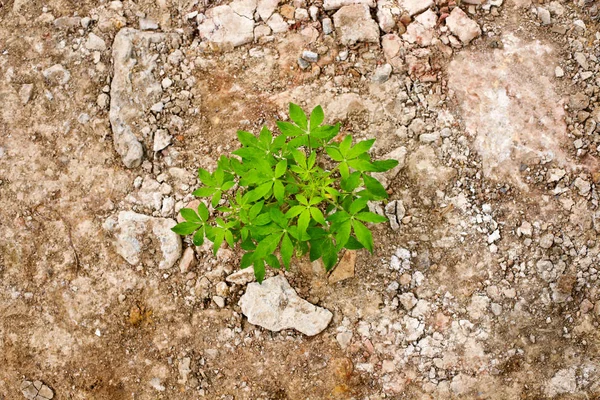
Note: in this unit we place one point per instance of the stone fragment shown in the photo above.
(382, 73)
(395, 211)
(36, 390)
(67, 22)
(266, 8)
(188, 260)
(301, 14)
(148, 25)
(408, 300)
(462, 26)
(95, 43)
(57, 74)
(242, 276)
(327, 26)
(544, 15)
(413, 328)
(354, 24)
(422, 30)
(162, 139)
(563, 382)
(274, 305)
(345, 268)
(559, 72)
(344, 339)
(277, 24)
(546, 241)
(413, 7)
(385, 18)
(225, 25)
(310, 56)
(25, 93)
(336, 4)
(103, 101)
(132, 230)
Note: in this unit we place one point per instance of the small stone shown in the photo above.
(345, 268)
(415, 6)
(327, 26)
(103, 101)
(581, 60)
(219, 301)
(25, 93)
(495, 236)
(266, 8)
(314, 12)
(336, 4)
(310, 56)
(155, 383)
(408, 300)
(301, 14)
(462, 26)
(302, 63)
(277, 23)
(579, 101)
(583, 186)
(157, 107)
(222, 289)
(242, 276)
(546, 241)
(188, 260)
(95, 42)
(344, 339)
(57, 74)
(525, 229)
(354, 24)
(558, 72)
(162, 139)
(148, 25)
(166, 83)
(382, 73)
(85, 22)
(274, 305)
(544, 15)
(395, 211)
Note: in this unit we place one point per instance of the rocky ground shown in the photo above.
(484, 284)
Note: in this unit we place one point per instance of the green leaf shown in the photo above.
(298, 142)
(268, 245)
(368, 216)
(247, 139)
(334, 153)
(255, 210)
(259, 270)
(273, 262)
(286, 250)
(345, 145)
(344, 171)
(189, 215)
(384, 165)
(358, 205)
(203, 211)
(294, 211)
(289, 129)
(374, 187)
(198, 238)
(338, 217)
(316, 117)
(301, 199)
(278, 217)
(329, 255)
(265, 137)
(216, 197)
(311, 160)
(300, 158)
(229, 239)
(261, 220)
(205, 177)
(247, 260)
(360, 148)
(259, 192)
(280, 168)
(298, 116)
(352, 182)
(304, 220)
(204, 191)
(218, 240)
(317, 215)
(361, 165)
(227, 185)
(363, 235)
(185, 228)
(278, 191)
(342, 233)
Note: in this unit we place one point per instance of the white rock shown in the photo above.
(162, 139)
(494, 236)
(327, 26)
(219, 301)
(335, 4)
(274, 305)
(413, 7)
(413, 328)
(57, 74)
(148, 25)
(95, 42)
(277, 23)
(354, 24)
(407, 300)
(25, 93)
(155, 383)
(226, 26)
(344, 339)
(382, 73)
(266, 8)
(462, 26)
(544, 15)
(563, 382)
(131, 229)
(242, 276)
(188, 260)
(386, 19)
(222, 289)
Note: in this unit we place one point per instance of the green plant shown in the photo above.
(298, 192)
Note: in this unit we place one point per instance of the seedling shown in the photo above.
(301, 191)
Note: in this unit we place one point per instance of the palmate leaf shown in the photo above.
(298, 116)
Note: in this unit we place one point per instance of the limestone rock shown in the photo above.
(345, 268)
(462, 26)
(231, 24)
(413, 7)
(354, 24)
(274, 305)
(336, 4)
(132, 230)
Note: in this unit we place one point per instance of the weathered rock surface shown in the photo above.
(36, 390)
(231, 24)
(335, 4)
(354, 24)
(133, 231)
(133, 90)
(274, 305)
(413, 7)
(462, 26)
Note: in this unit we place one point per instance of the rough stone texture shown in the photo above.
(422, 30)
(413, 7)
(336, 4)
(274, 305)
(354, 24)
(424, 166)
(462, 26)
(345, 268)
(563, 382)
(132, 90)
(131, 230)
(36, 390)
(229, 24)
(57, 74)
(266, 8)
(514, 113)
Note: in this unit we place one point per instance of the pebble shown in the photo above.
(462, 26)
(103, 101)
(95, 42)
(25, 93)
(148, 25)
(57, 74)
(310, 56)
(166, 83)
(327, 26)
(354, 24)
(302, 63)
(188, 260)
(382, 73)
(544, 16)
(36, 390)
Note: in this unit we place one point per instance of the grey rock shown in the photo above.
(327, 26)
(226, 25)
(395, 211)
(95, 43)
(103, 101)
(354, 24)
(67, 22)
(547, 240)
(266, 8)
(242, 276)
(544, 15)
(310, 56)
(382, 73)
(563, 382)
(302, 63)
(130, 231)
(36, 390)
(148, 25)
(274, 305)
(57, 74)
(162, 139)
